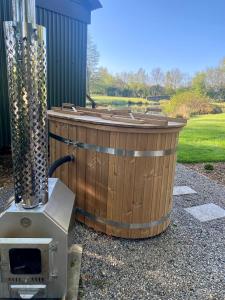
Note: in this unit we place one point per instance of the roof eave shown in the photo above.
(95, 4)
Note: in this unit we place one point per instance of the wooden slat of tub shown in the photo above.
(156, 185)
(163, 209)
(172, 167)
(52, 143)
(172, 170)
(64, 150)
(81, 172)
(112, 183)
(160, 163)
(157, 181)
(162, 171)
(98, 186)
(168, 176)
(129, 183)
(140, 175)
(117, 212)
(91, 177)
(72, 177)
(57, 173)
(149, 186)
(102, 169)
(105, 174)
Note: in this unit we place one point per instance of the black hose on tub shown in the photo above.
(58, 163)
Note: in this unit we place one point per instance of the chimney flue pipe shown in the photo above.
(24, 11)
(27, 84)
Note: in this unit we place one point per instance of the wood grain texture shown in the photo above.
(81, 165)
(95, 118)
(131, 190)
(91, 176)
(102, 180)
(115, 127)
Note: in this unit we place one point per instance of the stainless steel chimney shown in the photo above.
(34, 229)
(24, 11)
(27, 82)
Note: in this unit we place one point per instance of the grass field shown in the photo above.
(203, 140)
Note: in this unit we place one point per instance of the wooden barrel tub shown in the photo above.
(123, 173)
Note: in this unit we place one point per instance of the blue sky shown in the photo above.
(187, 34)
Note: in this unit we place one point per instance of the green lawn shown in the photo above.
(203, 140)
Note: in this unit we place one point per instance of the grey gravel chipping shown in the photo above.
(186, 262)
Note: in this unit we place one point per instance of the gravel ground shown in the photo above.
(185, 262)
(5, 171)
(217, 174)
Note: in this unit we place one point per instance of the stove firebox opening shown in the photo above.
(25, 261)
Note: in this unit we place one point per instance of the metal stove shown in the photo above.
(34, 229)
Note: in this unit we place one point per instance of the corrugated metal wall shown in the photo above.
(67, 46)
(5, 14)
(67, 43)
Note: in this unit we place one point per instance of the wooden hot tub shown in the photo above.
(123, 174)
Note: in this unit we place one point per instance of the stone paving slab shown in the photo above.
(183, 190)
(206, 212)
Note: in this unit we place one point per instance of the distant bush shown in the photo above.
(208, 167)
(217, 110)
(220, 105)
(187, 104)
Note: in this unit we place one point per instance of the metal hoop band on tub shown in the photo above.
(114, 151)
(122, 225)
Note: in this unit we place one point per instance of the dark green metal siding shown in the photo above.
(67, 47)
(67, 43)
(5, 14)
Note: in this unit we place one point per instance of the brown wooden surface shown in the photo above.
(123, 189)
(136, 120)
(129, 128)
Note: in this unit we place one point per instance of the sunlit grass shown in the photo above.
(203, 140)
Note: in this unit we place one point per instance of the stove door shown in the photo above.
(25, 265)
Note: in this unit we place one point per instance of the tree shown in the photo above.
(141, 77)
(211, 82)
(105, 82)
(157, 90)
(134, 83)
(222, 64)
(157, 77)
(215, 82)
(198, 83)
(174, 79)
(92, 65)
